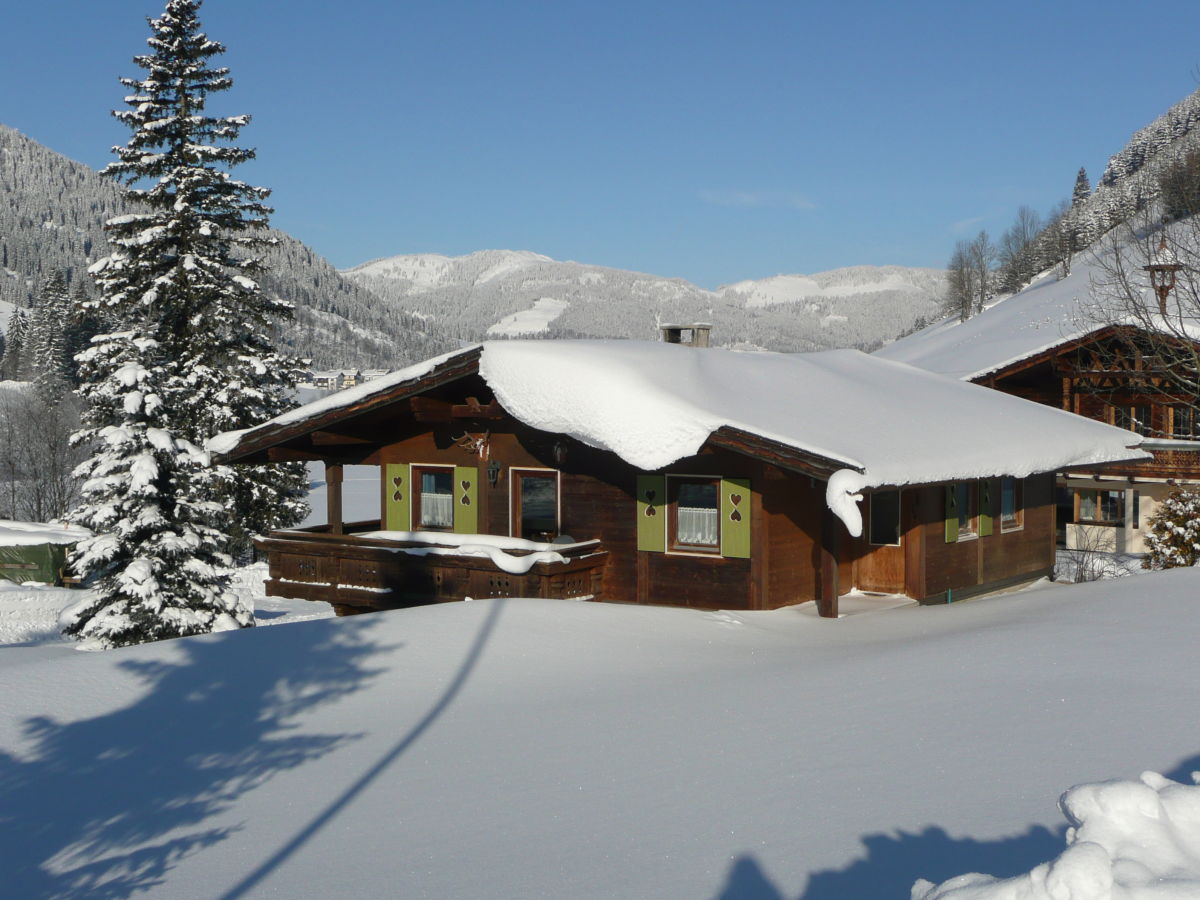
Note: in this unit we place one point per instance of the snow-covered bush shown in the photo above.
(1174, 535)
(1128, 840)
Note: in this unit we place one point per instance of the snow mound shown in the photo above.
(1128, 840)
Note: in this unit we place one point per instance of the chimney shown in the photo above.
(697, 334)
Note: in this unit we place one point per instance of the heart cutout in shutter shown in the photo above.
(398, 480)
(735, 499)
(735, 516)
(397, 496)
(466, 498)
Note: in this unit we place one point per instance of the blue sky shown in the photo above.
(711, 141)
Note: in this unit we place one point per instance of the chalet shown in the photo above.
(671, 474)
(1045, 345)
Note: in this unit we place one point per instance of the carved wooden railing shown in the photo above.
(360, 574)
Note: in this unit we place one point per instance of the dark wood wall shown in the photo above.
(967, 566)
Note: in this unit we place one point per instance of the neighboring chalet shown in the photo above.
(658, 473)
(1045, 344)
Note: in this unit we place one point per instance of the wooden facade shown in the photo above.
(1105, 376)
(773, 540)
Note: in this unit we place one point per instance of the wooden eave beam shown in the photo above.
(337, 438)
(791, 458)
(268, 438)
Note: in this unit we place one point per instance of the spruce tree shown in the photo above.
(14, 367)
(1083, 188)
(48, 340)
(189, 356)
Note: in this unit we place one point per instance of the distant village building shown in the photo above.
(656, 473)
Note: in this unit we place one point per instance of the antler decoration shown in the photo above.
(479, 446)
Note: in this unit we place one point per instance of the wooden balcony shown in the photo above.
(1172, 460)
(357, 573)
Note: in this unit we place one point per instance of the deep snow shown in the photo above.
(528, 748)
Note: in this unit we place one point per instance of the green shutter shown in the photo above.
(652, 513)
(951, 515)
(466, 500)
(735, 517)
(397, 500)
(985, 507)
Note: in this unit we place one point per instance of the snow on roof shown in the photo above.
(1047, 313)
(14, 534)
(654, 403)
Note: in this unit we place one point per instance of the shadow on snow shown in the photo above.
(893, 862)
(103, 807)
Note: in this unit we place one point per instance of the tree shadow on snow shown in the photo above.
(893, 862)
(104, 807)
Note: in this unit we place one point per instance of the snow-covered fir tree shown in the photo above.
(190, 357)
(1174, 535)
(14, 366)
(1082, 189)
(48, 339)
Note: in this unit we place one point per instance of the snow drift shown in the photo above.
(1128, 840)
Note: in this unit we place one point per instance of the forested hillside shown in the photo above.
(509, 293)
(52, 211)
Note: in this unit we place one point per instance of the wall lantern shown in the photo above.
(1163, 268)
(560, 451)
(493, 473)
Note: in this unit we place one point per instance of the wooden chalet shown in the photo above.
(655, 473)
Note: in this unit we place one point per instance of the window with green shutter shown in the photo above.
(466, 499)
(985, 507)
(735, 517)
(396, 499)
(652, 512)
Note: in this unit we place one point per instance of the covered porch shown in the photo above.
(359, 567)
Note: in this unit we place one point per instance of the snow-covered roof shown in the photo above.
(1048, 313)
(882, 422)
(14, 534)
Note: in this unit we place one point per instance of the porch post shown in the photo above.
(827, 595)
(333, 497)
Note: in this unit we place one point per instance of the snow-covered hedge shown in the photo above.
(1128, 840)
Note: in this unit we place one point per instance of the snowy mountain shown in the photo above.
(497, 293)
(52, 211)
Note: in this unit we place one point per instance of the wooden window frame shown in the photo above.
(1125, 416)
(1109, 523)
(414, 481)
(871, 518)
(1018, 503)
(515, 473)
(674, 547)
(1195, 431)
(973, 501)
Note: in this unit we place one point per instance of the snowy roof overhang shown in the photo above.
(652, 404)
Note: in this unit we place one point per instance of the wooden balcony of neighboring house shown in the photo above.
(1173, 459)
(364, 569)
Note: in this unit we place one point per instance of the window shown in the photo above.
(1102, 507)
(1134, 418)
(885, 518)
(1184, 424)
(434, 500)
(534, 504)
(965, 497)
(1012, 504)
(695, 522)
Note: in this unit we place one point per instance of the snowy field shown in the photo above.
(558, 749)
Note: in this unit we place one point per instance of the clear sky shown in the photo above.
(712, 141)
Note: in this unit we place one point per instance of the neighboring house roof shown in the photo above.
(874, 422)
(1049, 313)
